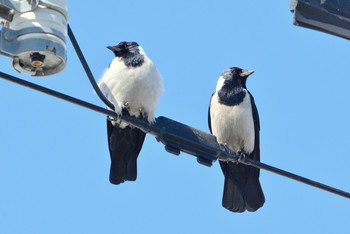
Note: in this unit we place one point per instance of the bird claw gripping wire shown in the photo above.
(227, 154)
(241, 157)
(113, 119)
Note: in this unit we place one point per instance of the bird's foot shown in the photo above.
(115, 119)
(228, 154)
(111, 118)
(125, 109)
(143, 114)
(241, 157)
(226, 148)
(126, 106)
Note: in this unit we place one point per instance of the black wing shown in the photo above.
(254, 196)
(256, 153)
(209, 119)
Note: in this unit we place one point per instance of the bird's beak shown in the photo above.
(112, 48)
(247, 72)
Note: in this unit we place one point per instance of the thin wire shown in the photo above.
(304, 180)
(87, 69)
(160, 132)
(230, 157)
(58, 95)
(210, 152)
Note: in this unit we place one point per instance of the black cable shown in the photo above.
(174, 135)
(304, 180)
(179, 137)
(87, 69)
(58, 95)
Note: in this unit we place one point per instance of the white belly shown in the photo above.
(233, 126)
(139, 87)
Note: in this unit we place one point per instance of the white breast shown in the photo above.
(233, 126)
(140, 87)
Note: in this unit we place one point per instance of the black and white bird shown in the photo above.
(234, 120)
(133, 84)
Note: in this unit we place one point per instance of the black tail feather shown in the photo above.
(232, 198)
(242, 189)
(124, 147)
(254, 195)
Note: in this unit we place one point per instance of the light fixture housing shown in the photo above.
(34, 35)
(329, 16)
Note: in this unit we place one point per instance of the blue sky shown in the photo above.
(54, 160)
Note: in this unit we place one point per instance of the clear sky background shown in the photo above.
(54, 159)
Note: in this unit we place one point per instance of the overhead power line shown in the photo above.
(175, 136)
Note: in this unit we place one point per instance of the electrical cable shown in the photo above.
(87, 69)
(174, 135)
(163, 130)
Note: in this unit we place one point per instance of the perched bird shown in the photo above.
(133, 84)
(234, 120)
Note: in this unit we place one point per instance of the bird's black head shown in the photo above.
(236, 76)
(130, 52)
(124, 47)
